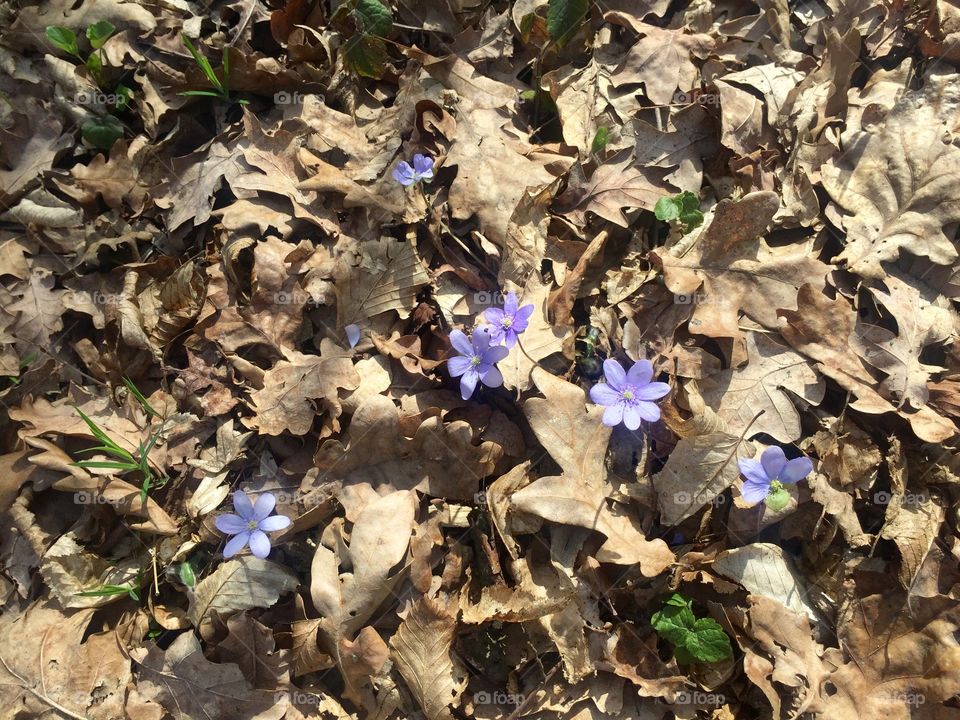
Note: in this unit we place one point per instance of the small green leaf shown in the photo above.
(600, 140)
(124, 95)
(708, 642)
(564, 17)
(366, 56)
(374, 18)
(99, 33)
(187, 575)
(103, 132)
(63, 38)
(674, 620)
(135, 391)
(94, 65)
(666, 209)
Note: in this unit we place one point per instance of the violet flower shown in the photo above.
(422, 169)
(353, 334)
(251, 524)
(507, 323)
(628, 396)
(475, 361)
(766, 477)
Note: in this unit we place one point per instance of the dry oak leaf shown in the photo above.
(190, 687)
(577, 441)
(422, 649)
(440, 460)
(772, 369)
(39, 309)
(57, 664)
(900, 193)
(285, 403)
(616, 184)
(824, 332)
(893, 662)
(189, 193)
(699, 469)
(378, 276)
(913, 523)
(662, 59)
(117, 180)
(763, 569)
(730, 268)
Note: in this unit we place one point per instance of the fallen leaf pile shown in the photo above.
(243, 246)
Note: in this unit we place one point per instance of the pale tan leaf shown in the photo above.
(240, 584)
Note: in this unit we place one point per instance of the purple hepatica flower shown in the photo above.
(629, 395)
(422, 169)
(767, 475)
(475, 361)
(507, 323)
(251, 524)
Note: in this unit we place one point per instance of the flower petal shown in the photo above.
(753, 491)
(275, 522)
(613, 415)
(510, 336)
(652, 391)
(468, 383)
(753, 471)
(231, 524)
(641, 373)
(264, 506)
(458, 365)
(523, 314)
(494, 316)
(603, 394)
(773, 461)
(796, 470)
(353, 334)
(492, 378)
(614, 373)
(236, 544)
(632, 417)
(461, 343)
(648, 410)
(403, 173)
(242, 505)
(495, 354)
(259, 544)
(482, 338)
(423, 164)
(510, 303)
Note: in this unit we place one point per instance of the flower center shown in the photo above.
(507, 322)
(253, 524)
(475, 360)
(775, 486)
(628, 394)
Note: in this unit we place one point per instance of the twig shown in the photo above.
(51, 702)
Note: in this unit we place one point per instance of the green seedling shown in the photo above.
(694, 639)
(364, 24)
(683, 209)
(133, 592)
(221, 88)
(124, 460)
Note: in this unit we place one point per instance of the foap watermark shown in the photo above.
(92, 498)
(89, 98)
(288, 98)
(498, 697)
(699, 698)
(883, 497)
(910, 699)
(695, 96)
(293, 297)
(697, 298)
(480, 498)
(296, 697)
(687, 498)
(488, 298)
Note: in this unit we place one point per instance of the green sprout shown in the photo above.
(124, 460)
(694, 639)
(221, 88)
(683, 209)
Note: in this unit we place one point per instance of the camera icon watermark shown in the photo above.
(89, 98)
(288, 98)
(292, 297)
(488, 298)
(498, 697)
(480, 498)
